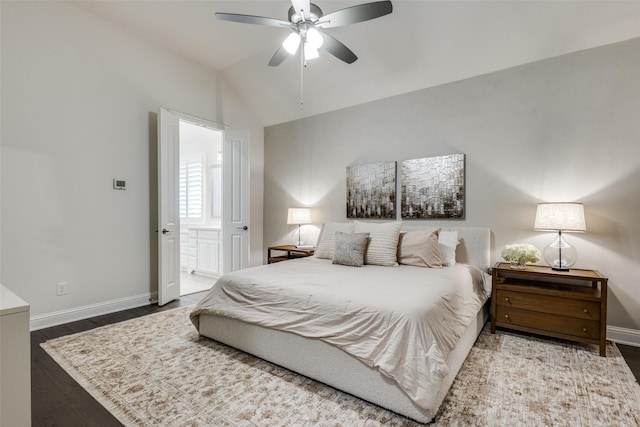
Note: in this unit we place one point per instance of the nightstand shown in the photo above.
(571, 305)
(291, 253)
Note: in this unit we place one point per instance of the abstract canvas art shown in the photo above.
(433, 187)
(371, 190)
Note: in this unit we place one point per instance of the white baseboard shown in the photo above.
(624, 335)
(47, 320)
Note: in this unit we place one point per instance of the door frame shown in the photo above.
(228, 249)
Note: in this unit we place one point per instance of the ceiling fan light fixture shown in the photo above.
(304, 18)
(291, 43)
(314, 38)
(310, 52)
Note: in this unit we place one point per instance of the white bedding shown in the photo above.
(402, 321)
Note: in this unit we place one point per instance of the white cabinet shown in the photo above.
(209, 251)
(203, 251)
(192, 250)
(15, 360)
(184, 243)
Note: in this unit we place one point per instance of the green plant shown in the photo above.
(521, 253)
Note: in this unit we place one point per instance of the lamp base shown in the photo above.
(297, 237)
(559, 254)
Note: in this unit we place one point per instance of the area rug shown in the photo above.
(156, 371)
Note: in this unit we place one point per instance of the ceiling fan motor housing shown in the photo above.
(313, 16)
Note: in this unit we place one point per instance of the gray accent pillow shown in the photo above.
(350, 249)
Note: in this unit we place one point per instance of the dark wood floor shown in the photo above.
(632, 357)
(57, 400)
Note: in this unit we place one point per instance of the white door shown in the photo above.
(235, 201)
(168, 215)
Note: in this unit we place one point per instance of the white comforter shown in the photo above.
(401, 320)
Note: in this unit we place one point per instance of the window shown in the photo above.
(191, 187)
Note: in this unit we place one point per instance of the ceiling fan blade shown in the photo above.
(302, 7)
(338, 49)
(277, 58)
(250, 19)
(355, 14)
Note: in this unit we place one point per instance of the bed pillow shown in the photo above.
(383, 242)
(448, 241)
(420, 248)
(327, 238)
(350, 249)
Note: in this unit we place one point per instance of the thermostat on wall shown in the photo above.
(119, 184)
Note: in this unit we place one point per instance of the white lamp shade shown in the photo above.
(310, 52)
(291, 43)
(560, 216)
(314, 38)
(299, 216)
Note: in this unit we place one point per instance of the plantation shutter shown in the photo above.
(191, 188)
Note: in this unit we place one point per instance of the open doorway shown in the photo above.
(208, 249)
(200, 206)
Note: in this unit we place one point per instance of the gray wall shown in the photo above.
(562, 129)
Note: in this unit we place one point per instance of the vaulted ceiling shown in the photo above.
(421, 44)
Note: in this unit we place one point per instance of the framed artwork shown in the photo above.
(371, 190)
(433, 187)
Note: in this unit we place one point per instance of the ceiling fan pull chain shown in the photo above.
(302, 65)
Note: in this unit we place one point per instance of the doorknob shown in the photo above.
(245, 228)
(165, 231)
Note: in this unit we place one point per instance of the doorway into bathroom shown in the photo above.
(200, 206)
(203, 202)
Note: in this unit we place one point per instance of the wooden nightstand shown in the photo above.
(571, 305)
(291, 252)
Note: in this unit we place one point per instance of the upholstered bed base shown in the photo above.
(332, 366)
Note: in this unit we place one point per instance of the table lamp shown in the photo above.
(298, 216)
(560, 217)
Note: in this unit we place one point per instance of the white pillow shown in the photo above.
(448, 241)
(383, 242)
(327, 239)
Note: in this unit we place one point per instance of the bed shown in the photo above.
(353, 328)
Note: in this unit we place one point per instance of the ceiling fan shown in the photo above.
(307, 22)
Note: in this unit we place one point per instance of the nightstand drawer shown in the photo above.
(512, 317)
(589, 310)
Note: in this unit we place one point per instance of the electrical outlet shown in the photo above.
(61, 288)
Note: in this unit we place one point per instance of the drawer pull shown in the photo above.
(506, 315)
(584, 329)
(586, 311)
(507, 299)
